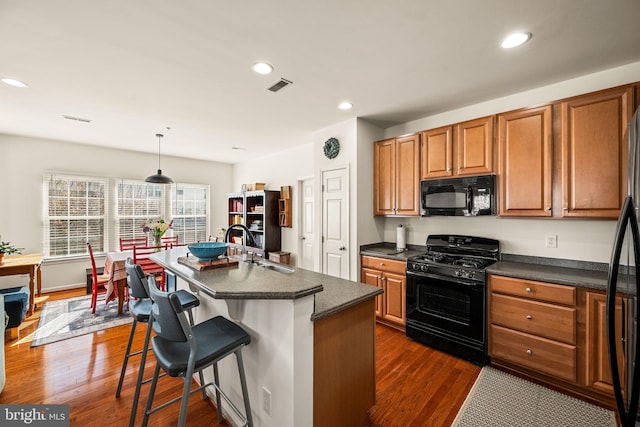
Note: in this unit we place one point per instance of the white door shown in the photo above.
(335, 222)
(306, 225)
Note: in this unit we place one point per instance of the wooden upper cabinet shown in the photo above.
(384, 177)
(436, 151)
(525, 162)
(594, 152)
(474, 147)
(396, 176)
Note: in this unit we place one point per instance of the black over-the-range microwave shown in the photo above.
(468, 196)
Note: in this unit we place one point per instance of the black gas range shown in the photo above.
(446, 295)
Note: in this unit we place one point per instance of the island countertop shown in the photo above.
(251, 281)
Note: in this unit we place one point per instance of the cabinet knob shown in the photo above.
(459, 168)
(529, 352)
(448, 169)
(342, 248)
(529, 317)
(528, 289)
(382, 264)
(565, 209)
(548, 209)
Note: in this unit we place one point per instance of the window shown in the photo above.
(75, 213)
(137, 203)
(189, 212)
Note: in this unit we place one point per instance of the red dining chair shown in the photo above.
(129, 244)
(141, 257)
(169, 240)
(99, 281)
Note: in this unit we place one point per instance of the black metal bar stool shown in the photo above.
(140, 309)
(181, 350)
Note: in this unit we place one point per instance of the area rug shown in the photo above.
(71, 317)
(499, 399)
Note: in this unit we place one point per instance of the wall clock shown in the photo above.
(331, 148)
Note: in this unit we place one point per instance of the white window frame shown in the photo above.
(188, 209)
(48, 179)
(143, 212)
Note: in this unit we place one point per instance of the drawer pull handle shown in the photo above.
(529, 352)
(529, 317)
(528, 289)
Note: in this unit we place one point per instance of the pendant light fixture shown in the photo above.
(159, 178)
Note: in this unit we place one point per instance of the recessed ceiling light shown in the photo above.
(13, 82)
(345, 106)
(515, 39)
(262, 68)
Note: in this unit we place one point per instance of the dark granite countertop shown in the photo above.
(389, 251)
(549, 273)
(565, 272)
(251, 281)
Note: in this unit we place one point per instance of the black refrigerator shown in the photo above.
(622, 288)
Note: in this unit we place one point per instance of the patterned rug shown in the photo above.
(499, 399)
(71, 317)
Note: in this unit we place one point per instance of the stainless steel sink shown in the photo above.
(275, 266)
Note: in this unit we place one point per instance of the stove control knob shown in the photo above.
(458, 273)
(471, 275)
(424, 268)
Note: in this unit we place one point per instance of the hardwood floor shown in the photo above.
(416, 385)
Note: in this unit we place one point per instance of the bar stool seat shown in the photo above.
(140, 310)
(181, 350)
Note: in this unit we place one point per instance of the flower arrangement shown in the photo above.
(156, 228)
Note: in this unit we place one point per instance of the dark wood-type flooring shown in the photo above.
(416, 385)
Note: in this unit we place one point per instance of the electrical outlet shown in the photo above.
(551, 240)
(266, 400)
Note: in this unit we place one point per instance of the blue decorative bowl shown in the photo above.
(208, 250)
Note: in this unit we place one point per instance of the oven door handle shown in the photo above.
(470, 200)
(454, 280)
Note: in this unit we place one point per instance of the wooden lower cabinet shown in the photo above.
(534, 324)
(390, 276)
(555, 334)
(597, 371)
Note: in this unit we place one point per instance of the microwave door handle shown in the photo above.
(470, 200)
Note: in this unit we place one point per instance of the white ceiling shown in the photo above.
(135, 67)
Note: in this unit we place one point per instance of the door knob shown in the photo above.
(302, 238)
(342, 248)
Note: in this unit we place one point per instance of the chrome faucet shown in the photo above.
(250, 240)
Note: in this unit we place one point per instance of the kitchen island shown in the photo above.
(311, 360)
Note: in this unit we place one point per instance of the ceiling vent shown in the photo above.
(78, 119)
(282, 83)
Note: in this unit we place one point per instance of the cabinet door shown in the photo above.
(407, 175)
(474, 147)
(374, 278)
(384, 177)
(594, 153)
(525, 156)
(394, 298)
(597, 358)
(436, 151)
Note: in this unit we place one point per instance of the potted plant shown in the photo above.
(8, 248)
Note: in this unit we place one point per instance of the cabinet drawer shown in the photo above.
(543, 355)
(384, 264)
(538, 318)
(549, 292)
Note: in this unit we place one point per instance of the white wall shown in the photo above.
(23, 161)
(346, 133)
(277, 170)
(588, 240)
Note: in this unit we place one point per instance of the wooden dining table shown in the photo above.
(114, 268)
(25, 264)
